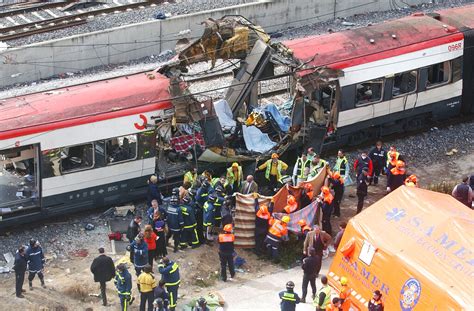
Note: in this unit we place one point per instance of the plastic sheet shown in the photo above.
(255, 140)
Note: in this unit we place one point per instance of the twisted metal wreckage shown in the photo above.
(310, 117)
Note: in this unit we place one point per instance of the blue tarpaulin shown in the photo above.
(255, 140)
(283, 122)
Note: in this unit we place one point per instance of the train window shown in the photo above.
(438, 74)
(404, 83)
(77, 158)
(457, 69)
(120, 149)
(369, 92)
(146, 145)
(18, 178)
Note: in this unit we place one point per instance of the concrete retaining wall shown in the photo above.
(121, 44)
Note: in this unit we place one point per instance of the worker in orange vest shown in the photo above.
(335, 305)
(226, 251)
(326, 207)
(262, 224)
(306, 195)
(277, 232)
(291, 204)
(397, 176)
(345, 295)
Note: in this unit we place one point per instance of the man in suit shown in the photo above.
(249, 186)
(103, 269)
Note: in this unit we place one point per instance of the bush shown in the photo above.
(291, 251)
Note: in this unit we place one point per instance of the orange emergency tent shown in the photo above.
(416, 247)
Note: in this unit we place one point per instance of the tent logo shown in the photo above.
(395, 214)
(410, 294)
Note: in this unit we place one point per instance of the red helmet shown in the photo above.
(263, 208)
(291, 200)
(301, 222)
(336, 175)
(325, 190)
(308, 187)
(228, 228)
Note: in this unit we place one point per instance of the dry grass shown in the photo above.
(77, 291)
(446, 186)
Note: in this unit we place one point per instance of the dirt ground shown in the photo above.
(69, 281)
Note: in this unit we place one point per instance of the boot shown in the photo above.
(303, 300)
(31, 285)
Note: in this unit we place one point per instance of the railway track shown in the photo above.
(45, 19)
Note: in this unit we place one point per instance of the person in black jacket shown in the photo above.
(160, 292)
(132, 231)
(103, 269)
(19, 267)
(361, 189)
(379, 159)
(311, 267)
(376, 303)
(153, 191)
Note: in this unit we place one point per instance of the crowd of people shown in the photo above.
(201, 211)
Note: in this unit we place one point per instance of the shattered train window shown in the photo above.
(369, 92)
(404, 83)
(438, 74)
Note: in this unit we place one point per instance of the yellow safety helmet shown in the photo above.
(343, 280)
(285, 219)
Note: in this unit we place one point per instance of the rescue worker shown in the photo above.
(397, 176)
(307, 195)
(190, 176)
(201, 198)
(337, 184)
(317, 164)
(392, 157)
(160, 293)
(146, 284)
(140, 253)
(342, 166)
(304, 229)
(311, 266)
(361, 192)
(175, 222)
(170, 275)
(19, 266)
(277, 232)
(234, 177)
(226, 211)
(376, 303)
(345, 295)
(262, 220)
(335, 305)
(323, 296)
(291, 204)
(326, 208)
(379, 159)
(123, 283)
(209, 219)
(289, 299)
(226, 251)
(363, 161)
(35, 258)
(273, 170)
(189, 234)
(301, 169)
(463, 192)
(218, 206)
(411, 181)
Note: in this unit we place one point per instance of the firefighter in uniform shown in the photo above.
(189, 236)
(201, 199)
(289, 299)
(218, 206)
(379, 157)
(277, 232)
(301, 169)
(123, 283)
(170, 275)
(345, 295)
(261, 225)
(273, 170)
(226, 251)
(175, 222)
(209, 217)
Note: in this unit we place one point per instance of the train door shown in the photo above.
(404, 87)
(19, 181)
